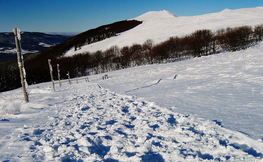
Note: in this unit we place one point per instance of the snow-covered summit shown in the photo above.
(156, 15)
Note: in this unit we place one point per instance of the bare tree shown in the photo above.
(258, 32)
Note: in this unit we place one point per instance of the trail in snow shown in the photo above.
(95, 124)
(148, 86)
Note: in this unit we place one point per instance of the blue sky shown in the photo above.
(81, 15)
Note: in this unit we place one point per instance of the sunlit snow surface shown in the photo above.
(161, 25)
(218, 87)
(207, 108)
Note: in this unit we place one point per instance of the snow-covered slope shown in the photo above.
(207, 108)
(227, 88)
(160, 25)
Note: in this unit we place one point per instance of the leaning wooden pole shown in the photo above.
(58, 75)
(51, 75)
(69, 78)
(20, 61)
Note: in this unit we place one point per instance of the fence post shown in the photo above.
(69, 78)
(51, 75)
(58, 75)
(20, 61)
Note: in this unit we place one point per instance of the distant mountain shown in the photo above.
(30, 42)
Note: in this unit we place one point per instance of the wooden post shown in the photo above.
(69, 78)
(51, 75)
(58, 75)
(20, 61)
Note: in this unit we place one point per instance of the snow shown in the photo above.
(148, 16)
(226, 88)
(14, 50)
(44, 44)
(201, 109)
(161, 25)
(207, 108)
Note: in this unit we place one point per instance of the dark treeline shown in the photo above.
(199, 43)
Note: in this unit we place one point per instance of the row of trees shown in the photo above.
(199, 43)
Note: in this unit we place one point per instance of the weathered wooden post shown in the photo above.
(20, 61)
(69, 78)
(58, 75)
(87, 79)
(51, 75)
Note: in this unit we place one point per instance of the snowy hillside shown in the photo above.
(207, 108)
(160, 25)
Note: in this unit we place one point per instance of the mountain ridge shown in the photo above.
(31, 42)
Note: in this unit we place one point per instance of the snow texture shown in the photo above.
(86, 122)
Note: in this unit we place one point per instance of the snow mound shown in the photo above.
(40, 91)
(156, 15)
(227, 10)
(44, 44)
